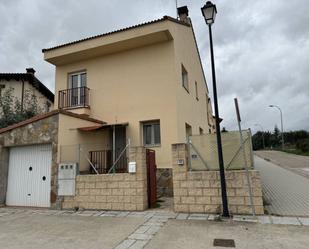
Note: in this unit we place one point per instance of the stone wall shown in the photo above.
(200, 191)
(42, 131)
(113, 191)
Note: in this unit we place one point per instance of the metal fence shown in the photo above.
(95, 158)
(204, 152)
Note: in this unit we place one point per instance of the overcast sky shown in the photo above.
(261, 47)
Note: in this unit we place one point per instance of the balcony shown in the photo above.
(74, 98)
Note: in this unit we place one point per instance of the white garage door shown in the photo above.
(29, 176)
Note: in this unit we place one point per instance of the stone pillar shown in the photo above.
(179, 154)
(138, 154)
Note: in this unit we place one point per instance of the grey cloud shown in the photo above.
(261, 47)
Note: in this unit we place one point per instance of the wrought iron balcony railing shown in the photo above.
(74, 97)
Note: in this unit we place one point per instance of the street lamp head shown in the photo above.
(209, 12)
(271, 106)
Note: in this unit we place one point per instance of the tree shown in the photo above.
(224, 130)
(12, 110)
(273, 140)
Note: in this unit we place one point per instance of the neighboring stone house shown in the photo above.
(24, 83)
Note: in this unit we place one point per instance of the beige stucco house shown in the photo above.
(27, 83)
(123, 98)
(141, 86)
(146, 82)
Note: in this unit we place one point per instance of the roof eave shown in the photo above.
(44, 50)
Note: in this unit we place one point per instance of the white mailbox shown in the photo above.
(132, 167)
(66, 179)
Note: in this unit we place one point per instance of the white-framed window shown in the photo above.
(185, 80)
(152, 133)
(77, 82)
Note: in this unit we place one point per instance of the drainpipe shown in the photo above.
(114, 146)
(22, 94)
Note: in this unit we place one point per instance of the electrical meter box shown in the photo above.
(66, 179)
(132, 167)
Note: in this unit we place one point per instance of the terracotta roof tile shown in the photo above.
(47, 115)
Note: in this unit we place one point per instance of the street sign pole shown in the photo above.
(244, 155)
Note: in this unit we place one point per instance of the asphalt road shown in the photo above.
(295, 163)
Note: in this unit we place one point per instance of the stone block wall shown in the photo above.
(121, 191)
(200, 191)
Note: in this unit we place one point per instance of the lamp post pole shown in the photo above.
(262, 134)
(281, 119)
(207, 10)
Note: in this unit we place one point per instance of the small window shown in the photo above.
(151, 133)
(185, 81)
(201, 131)
(196, 91)
(188, 131)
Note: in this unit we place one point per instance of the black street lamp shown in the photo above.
(209, 12)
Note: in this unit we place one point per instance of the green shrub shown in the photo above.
(303, 145)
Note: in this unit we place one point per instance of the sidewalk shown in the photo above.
(43, 228)
(286, 192)
(199, 234)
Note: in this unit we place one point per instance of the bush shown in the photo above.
(303, 145)
(13, 111)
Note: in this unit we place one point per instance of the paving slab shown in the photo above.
(264, 219)
(182, 216)
(140, 236)
(125, 244)
(304, 221)
(153, 230)
(245, 218)
(285, 221)
(213, 217)
(142, 229)
(198, 217)
(139, 244)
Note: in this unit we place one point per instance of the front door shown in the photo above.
(118, 143)
(29, 178)
(151, 177)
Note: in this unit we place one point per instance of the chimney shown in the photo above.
(30, 70)
(183, 14)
